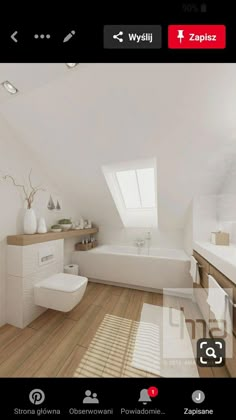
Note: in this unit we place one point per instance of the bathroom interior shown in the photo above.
(118, 219)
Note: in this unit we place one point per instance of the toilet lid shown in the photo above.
(63, 282)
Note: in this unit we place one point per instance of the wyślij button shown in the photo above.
(132, 36)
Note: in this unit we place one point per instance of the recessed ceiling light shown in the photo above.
(9, 87)
(71, 65)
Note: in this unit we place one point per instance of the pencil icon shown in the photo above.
(69, 36)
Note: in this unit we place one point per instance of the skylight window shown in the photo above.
(137, 188)
(134, 191)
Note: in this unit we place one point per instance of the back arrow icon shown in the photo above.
(13, 36)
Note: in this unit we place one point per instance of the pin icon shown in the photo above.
(152, 391)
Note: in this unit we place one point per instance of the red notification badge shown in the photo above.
(152, 391)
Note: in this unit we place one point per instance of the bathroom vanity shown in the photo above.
(206, 267)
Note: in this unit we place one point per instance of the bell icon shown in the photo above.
(144, 397)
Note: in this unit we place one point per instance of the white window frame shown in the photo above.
(146, 217)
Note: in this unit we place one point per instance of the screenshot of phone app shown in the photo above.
(118, 214)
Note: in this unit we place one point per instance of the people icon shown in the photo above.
(90, 399)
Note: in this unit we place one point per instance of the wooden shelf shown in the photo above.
(23, 240)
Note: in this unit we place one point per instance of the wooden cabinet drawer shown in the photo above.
(225, 283)
(204, 270)
(231, 363)
(204, 264)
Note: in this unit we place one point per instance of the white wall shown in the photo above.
(226, 209)
(205, 218)
(111, 113)
(17, 159)
(213, 213)
(188, 230)
(109, 234)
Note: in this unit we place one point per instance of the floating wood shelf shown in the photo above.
(23, 240)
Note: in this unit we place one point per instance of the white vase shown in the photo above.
(42, 228)
(30, 222)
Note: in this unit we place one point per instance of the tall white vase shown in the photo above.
(30, 222)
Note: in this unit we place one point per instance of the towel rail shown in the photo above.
(231, 302)
(200, 266)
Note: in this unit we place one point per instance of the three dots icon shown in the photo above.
(42, 36)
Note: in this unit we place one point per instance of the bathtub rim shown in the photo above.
(97, 250)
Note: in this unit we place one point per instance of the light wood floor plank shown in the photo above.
(134, 305)
(44, 319)
(13, 361)
(72, 362)
(56, 343)
(7, 333)
(41, 353)
(58, 358)
(15, 343)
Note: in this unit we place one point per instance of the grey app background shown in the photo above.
(110, 30)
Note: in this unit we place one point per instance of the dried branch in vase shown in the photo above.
(29, 193)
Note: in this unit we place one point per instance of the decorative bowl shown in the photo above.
(56, 230)
(66, 226)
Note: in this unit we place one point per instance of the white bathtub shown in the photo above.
(162, 268)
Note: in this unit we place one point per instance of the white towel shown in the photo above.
(194, 270)
(219, 304)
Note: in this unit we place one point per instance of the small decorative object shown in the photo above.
(51, 205)
(220, 238)
(83, 246)
(86, 224)
(54, 203)
(42, 228)
(77, 226)
(66, 224)
(30, 221)
(58, 205)
(86, 244)
(56, 228)
(89, 224)
(81, 223)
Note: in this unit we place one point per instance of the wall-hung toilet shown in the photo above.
(61, 291)
(35, 282)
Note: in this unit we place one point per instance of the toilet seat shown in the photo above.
(63, 282)
(61, 291)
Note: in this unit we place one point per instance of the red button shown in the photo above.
(196, 36)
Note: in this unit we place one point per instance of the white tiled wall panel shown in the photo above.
(24, 271)
(24, 260)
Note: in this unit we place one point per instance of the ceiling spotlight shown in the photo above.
(71, 65)
(9, 87)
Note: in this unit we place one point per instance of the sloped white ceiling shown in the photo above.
(96, 114)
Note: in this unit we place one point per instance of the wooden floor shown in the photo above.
(54, 344)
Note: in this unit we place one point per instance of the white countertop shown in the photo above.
(222, 257)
